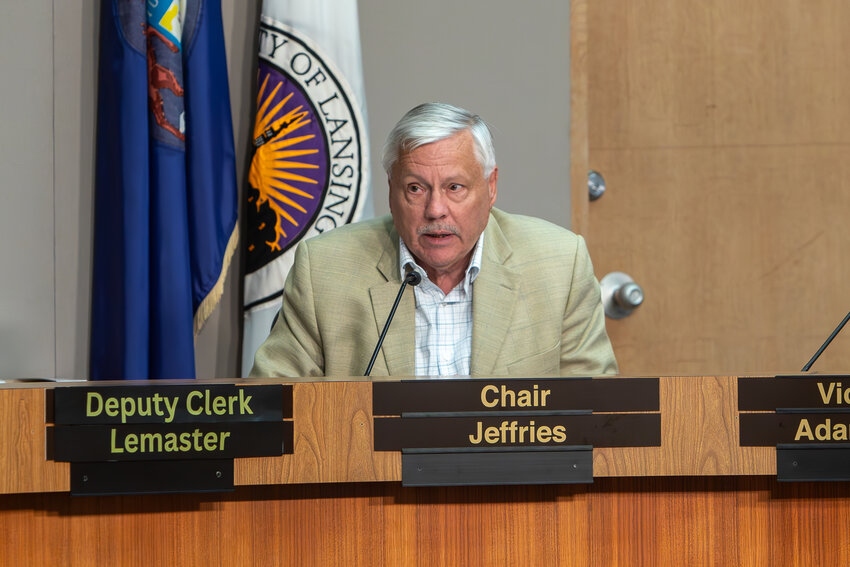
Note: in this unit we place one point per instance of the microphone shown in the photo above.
(826, 344)
(413, 278)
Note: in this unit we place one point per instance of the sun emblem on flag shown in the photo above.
(310, 156)
(277, 154)
(289, 166)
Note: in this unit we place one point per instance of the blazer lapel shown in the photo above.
(494, 294)
(400, 343)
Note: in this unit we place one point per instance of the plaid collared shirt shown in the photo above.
(443, 321)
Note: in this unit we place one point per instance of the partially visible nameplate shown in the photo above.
(807, 419)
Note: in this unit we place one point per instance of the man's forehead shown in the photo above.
(454, 153)
(458, 144)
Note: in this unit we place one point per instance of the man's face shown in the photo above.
(440, 202)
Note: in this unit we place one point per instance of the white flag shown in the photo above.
(310, 168)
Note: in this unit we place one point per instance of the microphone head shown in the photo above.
(413, 278)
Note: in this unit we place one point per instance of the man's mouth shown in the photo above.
(437, 233)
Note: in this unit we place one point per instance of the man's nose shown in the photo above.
(437, 205)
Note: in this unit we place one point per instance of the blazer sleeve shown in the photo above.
(294, 347)
(585, 348)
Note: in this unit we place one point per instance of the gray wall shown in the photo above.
(507, 62)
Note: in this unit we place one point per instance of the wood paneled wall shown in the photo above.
(333, 440)
(335, 501)
(649, 521)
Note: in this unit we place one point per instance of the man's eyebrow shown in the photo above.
(408, 177)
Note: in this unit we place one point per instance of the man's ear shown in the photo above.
(492, 184)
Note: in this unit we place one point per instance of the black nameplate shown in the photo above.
(771, 429)
(812, 464)
(598, 430)
(151, 477)
(809, 392)
(535, 394)
(568, 465)
(140, 442)
(170, 404)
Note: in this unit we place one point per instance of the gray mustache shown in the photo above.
(437, 228)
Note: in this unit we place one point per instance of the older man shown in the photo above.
(500, 295)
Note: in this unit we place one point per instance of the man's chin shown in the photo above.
(438, 262)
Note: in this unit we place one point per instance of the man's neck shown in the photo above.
(448, 280)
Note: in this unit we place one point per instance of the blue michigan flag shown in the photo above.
(166, 198)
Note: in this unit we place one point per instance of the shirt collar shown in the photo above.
(406, 263)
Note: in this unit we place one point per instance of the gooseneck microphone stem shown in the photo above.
(826, 344)
(412, 278)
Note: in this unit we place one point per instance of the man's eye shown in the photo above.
(414, 188)
(455, 187)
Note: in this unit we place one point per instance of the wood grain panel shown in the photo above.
(781, 74)
(650, 521)
(699, 435)
(22, 444)
(824, 509)
(723, 73)
(771, 280)
(694, 516)
(647, 63)
(752, 517)
(333, 440)
(720, 128)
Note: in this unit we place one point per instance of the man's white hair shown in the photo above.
(435, 121)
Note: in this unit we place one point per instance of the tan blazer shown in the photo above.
(536, 306)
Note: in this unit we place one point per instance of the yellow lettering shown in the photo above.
(826, 395)
(804, 430)
(822, 431)
(151, 443)
(475, 438)
(522, 431)
(559, 434)
(128, 407)
(196, 437)
(113, 448)
(484, 391)
(508, 395)
(171, 442)
(131, 442)
(111, 407)
(189, 407)
(93, 397)
(210, 441)
(244, 408)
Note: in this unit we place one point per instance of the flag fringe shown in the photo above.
(210, 302)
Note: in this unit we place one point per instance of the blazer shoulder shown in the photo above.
(532, 236)
(372, 234)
